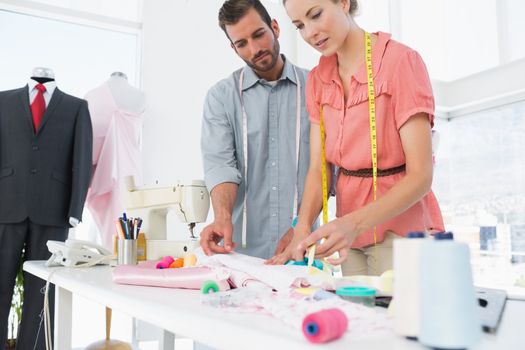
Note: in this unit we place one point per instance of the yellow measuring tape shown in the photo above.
(373, 141)
(372, 113)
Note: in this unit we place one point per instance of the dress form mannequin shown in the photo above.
(116, 110)
(42, 74)
(126, 96)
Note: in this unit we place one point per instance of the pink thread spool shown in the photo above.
(164, 263)
(325, 325)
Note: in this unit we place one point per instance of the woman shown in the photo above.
(404, 108)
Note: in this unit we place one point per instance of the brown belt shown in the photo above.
(368, 172)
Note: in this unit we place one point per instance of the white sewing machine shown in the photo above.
(190, 201)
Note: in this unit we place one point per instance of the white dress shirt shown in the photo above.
(50, 88)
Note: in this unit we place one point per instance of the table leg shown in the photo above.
(63, 318)
(167, 341)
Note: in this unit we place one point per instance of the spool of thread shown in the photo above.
(406, 284)
(324, 326)
(190, 260)
(177, 263)
(164, 263)
(449, 317)
(209, 286)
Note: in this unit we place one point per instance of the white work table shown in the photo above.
(180, 312)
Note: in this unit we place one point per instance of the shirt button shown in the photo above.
(274, 188)
(32, 171)
(35, 148)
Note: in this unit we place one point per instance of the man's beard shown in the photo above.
(267, 67)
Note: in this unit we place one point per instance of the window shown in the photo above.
(479, 180)
(82, 57)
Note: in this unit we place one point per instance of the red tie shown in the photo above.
(38, 106)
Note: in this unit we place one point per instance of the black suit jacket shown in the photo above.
(44, 176)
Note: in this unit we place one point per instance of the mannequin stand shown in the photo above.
(108, 343)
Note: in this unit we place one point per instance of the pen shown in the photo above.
(119, 229)
(139, 225)
(124, 227)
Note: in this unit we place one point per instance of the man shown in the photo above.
(254, 164)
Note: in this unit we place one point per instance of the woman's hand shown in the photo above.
(338, 235)
(291, 252)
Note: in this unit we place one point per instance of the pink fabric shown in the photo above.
(116, 154)
(145, 274)
(402, 89)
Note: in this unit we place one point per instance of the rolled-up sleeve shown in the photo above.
(218, 142)
(412, 89)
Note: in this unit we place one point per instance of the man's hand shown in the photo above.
(284, 241)
(213, 234)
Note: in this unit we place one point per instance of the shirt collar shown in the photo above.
(328, 70)
(250, 78)
(50, 86)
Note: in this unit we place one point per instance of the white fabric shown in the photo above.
(278, 277)
(362, 321)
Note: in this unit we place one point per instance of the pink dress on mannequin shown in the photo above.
(116, 154)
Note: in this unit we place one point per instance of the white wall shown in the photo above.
(515, 28)
(456, 38)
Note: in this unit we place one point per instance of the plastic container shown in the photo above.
(359, 295)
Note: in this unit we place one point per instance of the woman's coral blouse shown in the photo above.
(402, 89)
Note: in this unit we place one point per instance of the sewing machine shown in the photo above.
(190, 201)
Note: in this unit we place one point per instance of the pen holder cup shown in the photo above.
(127, 252)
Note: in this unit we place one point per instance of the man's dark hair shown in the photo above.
(233, 10)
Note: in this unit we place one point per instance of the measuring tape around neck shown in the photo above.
(245, 151)
(372, 113)
(373, 141)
